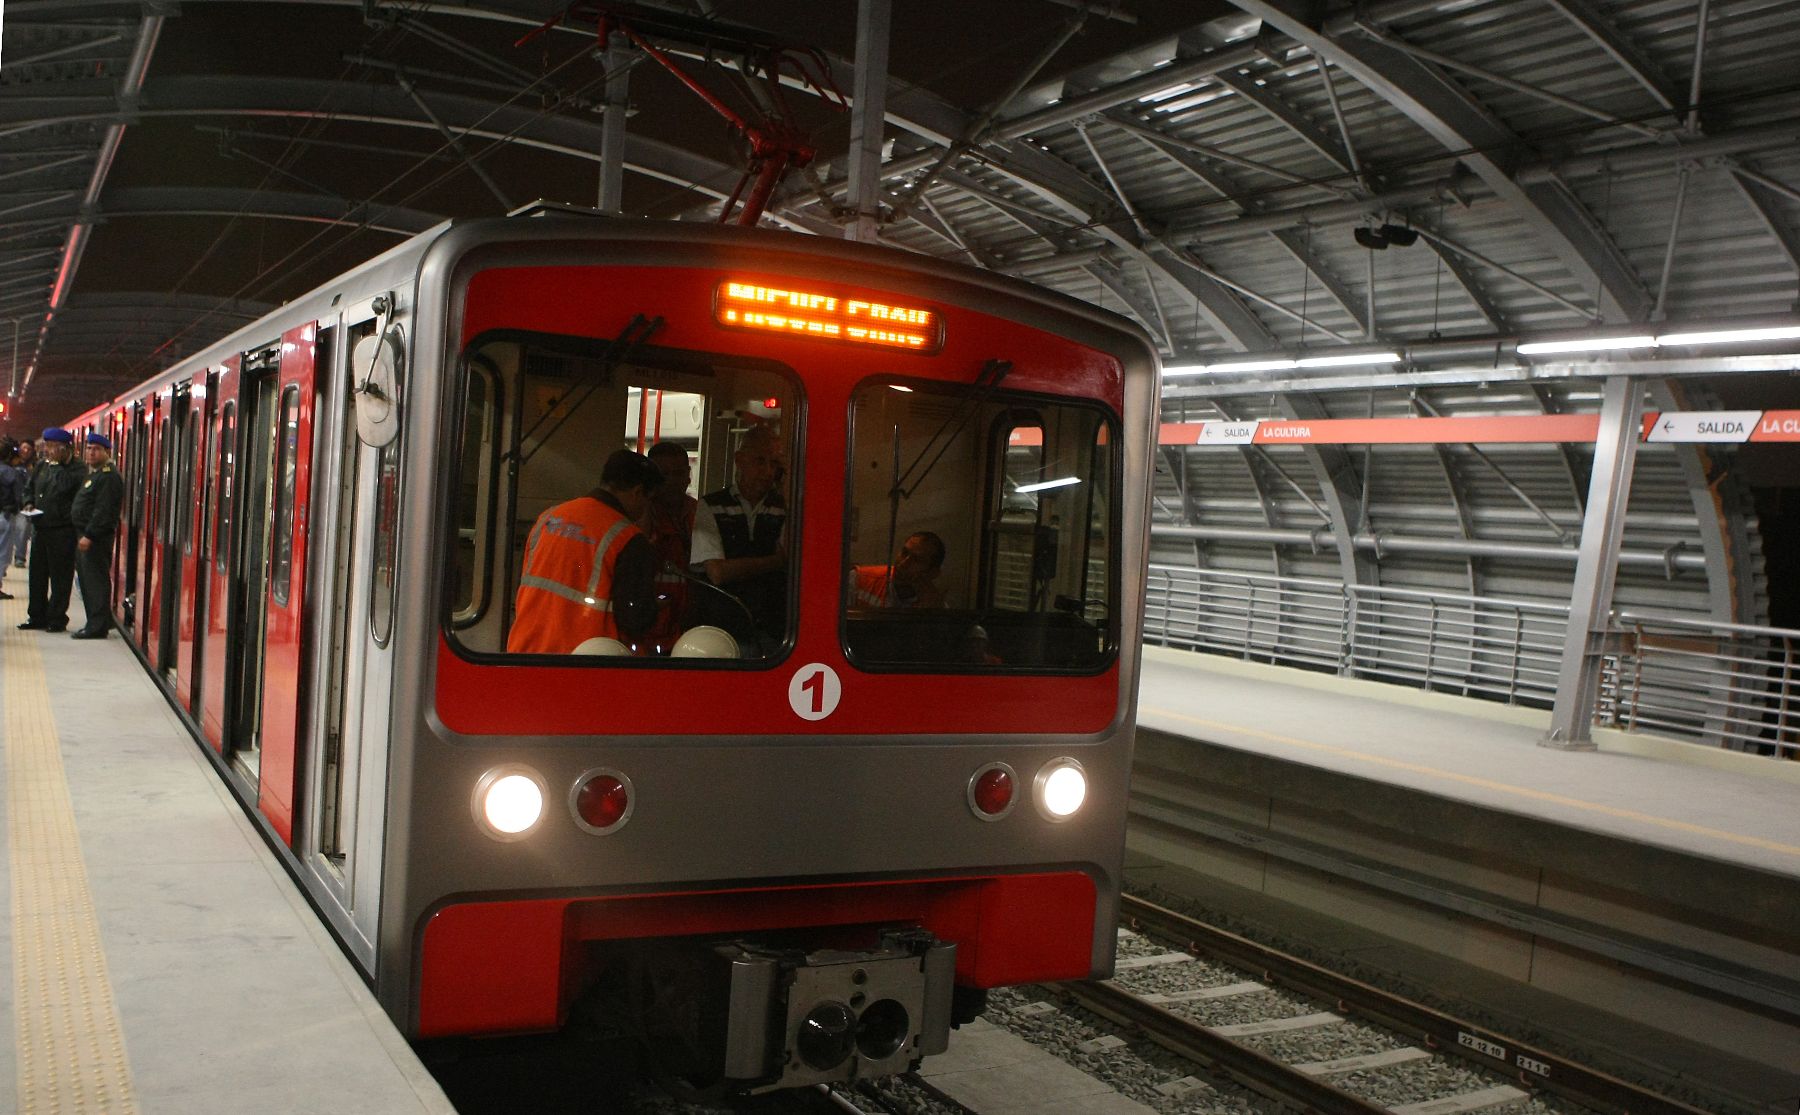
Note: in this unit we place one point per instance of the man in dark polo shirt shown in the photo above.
(740, 544)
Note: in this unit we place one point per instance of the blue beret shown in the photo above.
(57, 433)
(101, 440)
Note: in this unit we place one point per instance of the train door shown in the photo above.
(214, 609)
(155, 529)
(143, 413)
(355, 510)
(283, 603)
(247, 618)
(176, 486)
(189, 530)
(131, 518)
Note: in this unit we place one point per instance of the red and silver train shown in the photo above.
(793, 864)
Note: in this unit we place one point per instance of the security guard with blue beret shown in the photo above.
(51, 496)
(95, 514)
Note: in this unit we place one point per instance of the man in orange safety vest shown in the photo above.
(589, 572)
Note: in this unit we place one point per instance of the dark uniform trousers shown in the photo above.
(94, 565)
(52, 575)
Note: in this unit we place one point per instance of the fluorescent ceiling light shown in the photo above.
(1060, 482)
(1349, 360)
(1253, 366)
(1185, 370)
(1726, 336)
(1590, 344)
(1165, 94)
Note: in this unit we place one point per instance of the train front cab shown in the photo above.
(812, 813)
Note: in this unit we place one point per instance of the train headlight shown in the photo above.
(509, 802)
(1060, 789)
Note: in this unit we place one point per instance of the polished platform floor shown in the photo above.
(162, 961)
(1694, 800)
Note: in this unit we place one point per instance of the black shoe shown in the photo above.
(30, 625)
(4, 595)
(86, 633)
(57, 629)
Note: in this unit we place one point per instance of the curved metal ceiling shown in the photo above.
(1199, 167)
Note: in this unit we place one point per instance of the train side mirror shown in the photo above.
(375, 368)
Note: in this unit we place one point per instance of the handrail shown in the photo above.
(1723, 684)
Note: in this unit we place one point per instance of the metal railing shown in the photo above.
(1721, 684)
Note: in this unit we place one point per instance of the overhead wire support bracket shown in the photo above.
(775, 144)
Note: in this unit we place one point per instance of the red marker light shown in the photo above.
(603, 802)
(771, 403)
(991, 792)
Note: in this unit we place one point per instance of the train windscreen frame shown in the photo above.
(537, 414)
(981, 531)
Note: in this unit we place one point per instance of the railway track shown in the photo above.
(1314, 1040)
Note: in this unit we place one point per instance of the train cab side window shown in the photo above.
(288, 430)
(978, 532)
(475, 494)
(534, 562)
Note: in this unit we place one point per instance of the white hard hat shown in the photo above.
(705, 642)
(600, 644)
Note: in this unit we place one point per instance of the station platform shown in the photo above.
(1651, 883)
(162, 960)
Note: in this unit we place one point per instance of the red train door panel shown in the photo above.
(291, 483)
(190, 525)
(215, 571)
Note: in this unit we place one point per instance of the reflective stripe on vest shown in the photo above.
(565, 592)
(872, 585)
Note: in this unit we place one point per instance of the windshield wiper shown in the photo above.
(637, 331)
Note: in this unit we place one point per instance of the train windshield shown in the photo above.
(540, 563)
(980, 531)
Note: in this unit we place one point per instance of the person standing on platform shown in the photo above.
(52, 494)
(30, 457)
(12, 501)
(95, 514)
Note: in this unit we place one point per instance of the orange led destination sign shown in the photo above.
(810, 313)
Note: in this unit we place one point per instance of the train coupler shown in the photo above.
(798, 1018)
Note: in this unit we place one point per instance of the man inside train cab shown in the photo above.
(668, 522)
(95, 514)
(910, 582)
(590, 574)
(741, 544)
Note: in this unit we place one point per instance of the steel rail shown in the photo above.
(1256, 1071)
(1534, 1068)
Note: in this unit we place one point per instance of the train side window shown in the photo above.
(476, 495)
(978, 532)
(288, 430)
(184, 511)
(561, 406)
(222, 491)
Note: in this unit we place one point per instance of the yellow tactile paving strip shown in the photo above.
(71, 1055)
